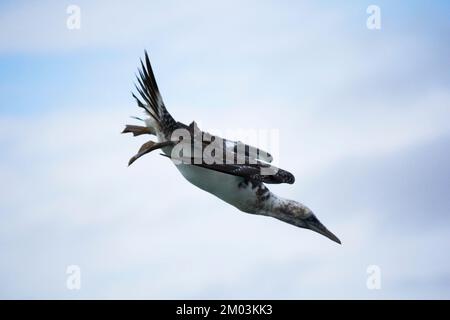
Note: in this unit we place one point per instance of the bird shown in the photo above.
(239, 181)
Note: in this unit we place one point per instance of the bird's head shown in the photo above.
(301, 216)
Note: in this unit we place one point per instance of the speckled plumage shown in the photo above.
(240, 184)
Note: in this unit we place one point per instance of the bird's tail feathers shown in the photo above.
(150, 98)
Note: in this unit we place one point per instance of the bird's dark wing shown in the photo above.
(250, 170)
(226, 161)
(235, 158)
(261, 172)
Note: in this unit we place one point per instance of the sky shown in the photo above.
(362, 118)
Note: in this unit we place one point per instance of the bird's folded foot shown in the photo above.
(147, 147)
(137, 130)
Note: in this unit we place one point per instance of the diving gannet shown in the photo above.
(238, 179)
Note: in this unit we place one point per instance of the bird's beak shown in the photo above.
(314, 224)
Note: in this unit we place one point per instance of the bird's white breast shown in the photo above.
(224, 186)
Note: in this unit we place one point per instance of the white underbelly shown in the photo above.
(222, 185)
